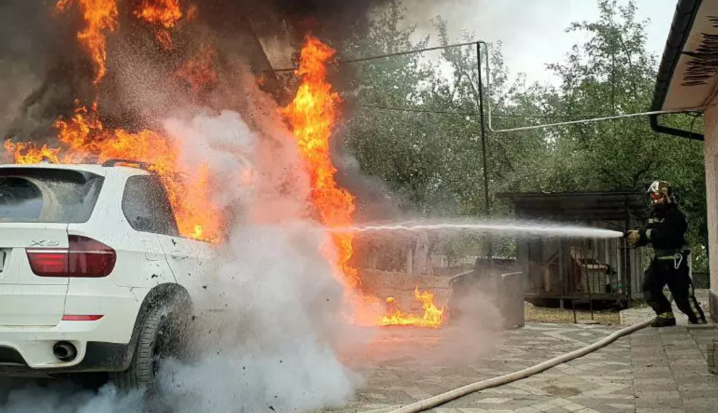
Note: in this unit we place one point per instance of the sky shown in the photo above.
(533, 31)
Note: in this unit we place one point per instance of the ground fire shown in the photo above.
(312, 115)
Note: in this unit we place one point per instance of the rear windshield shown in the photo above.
(47, 195)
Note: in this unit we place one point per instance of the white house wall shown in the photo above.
(711, 162)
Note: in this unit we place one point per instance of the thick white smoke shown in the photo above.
(64, 397)
(274, 345)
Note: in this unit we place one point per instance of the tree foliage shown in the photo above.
(433, 160)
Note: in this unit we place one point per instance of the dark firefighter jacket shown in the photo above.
(665, 231)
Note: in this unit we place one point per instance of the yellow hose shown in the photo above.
(443, 398)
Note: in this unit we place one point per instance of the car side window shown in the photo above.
(146, 206)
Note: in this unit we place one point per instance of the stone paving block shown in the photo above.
(712, 357)
(374, 408)
(709, 380)
(642, 353)
(604, 381)
(692, 396)
(556, 410)
(648, 342)
(658, 380)
(702, 403)
(601, 405)
(655, 387)
(694, 362)
(678, 353)
(674, 403)
(651, 372)
(494, 400)
(690, 372)
(527, 409)
(658, 350)
(572, 407)
(657, 395)
(475, 400)
(697, 386)
(686, 344)
(703, 409)
(511, 405)
(622, 406)
(653, 365)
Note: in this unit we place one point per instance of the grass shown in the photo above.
(565, 316)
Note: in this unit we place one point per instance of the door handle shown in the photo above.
(178, 255)
(149, 255)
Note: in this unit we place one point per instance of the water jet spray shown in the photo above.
(491, 227)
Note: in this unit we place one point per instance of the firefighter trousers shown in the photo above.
(664, 272)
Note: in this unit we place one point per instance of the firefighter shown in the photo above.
(666, 232)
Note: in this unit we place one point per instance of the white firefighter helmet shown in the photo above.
(660, 191)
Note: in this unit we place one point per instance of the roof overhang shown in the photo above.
(687, 77)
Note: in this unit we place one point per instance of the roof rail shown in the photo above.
(126, 162)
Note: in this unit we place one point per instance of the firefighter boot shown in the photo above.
(664, 320)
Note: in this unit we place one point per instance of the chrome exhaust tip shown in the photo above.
(64, 351)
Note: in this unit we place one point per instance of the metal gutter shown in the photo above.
(683, 19)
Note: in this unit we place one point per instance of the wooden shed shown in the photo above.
(580, 269)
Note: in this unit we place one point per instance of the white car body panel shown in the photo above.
(32, 307)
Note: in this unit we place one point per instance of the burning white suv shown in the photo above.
(94, 275)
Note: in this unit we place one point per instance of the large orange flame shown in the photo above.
(100, 16)
(30, 153)
(161, 12)
(86, 140)
(198, 71)
(312, 115)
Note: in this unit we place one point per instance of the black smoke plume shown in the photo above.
(44, 69)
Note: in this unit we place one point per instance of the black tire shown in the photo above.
(161, 336)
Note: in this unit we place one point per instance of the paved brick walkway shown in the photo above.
(652, 371)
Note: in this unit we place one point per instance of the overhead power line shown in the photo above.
(384, 56)
(448, 112)
(580, 120)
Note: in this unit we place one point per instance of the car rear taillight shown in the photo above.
(85, 257)
(71, 317)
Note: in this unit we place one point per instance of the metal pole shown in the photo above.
(627, 270)
(487, 202)
(590, 284)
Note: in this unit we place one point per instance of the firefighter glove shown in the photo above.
(633, 237)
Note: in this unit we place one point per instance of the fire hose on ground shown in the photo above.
(444, 398)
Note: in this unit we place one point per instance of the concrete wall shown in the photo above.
(711, 161)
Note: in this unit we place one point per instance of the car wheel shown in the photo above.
(161, 337)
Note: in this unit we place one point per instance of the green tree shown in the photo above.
(433, 161)
(613, 74)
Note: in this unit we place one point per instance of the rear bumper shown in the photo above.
(97, 357)
(101, 345)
